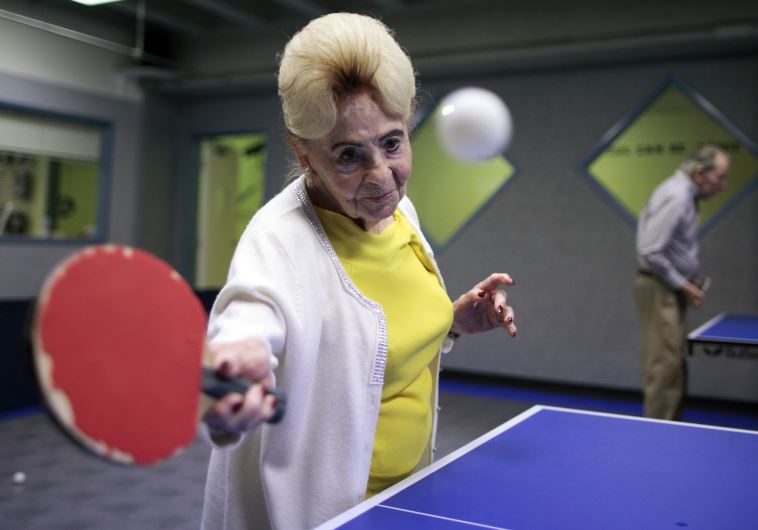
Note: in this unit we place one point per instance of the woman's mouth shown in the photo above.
(379, 197)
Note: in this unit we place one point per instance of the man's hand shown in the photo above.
(693, 294)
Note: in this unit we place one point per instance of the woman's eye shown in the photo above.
(347, 156)
(392, 144)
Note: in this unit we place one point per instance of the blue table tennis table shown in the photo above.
(552, 468)
(729, 335)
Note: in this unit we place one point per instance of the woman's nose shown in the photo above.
(378, 168)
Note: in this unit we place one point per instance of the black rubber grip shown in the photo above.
(217, 386)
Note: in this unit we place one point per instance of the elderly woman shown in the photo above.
(334, 292)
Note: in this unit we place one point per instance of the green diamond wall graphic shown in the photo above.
(648, 146)
(447, 192)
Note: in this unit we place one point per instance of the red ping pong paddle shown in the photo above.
(119, 346)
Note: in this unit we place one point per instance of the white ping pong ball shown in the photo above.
(19, 477)
(474, 124)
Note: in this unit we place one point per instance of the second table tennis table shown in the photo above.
(728, 335)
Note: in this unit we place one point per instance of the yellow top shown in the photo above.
(392, 269)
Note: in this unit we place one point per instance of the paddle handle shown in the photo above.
(217, 386)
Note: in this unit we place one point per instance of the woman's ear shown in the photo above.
(300, 152)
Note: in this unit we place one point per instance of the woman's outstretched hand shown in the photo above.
(238, 413)
(484, 307)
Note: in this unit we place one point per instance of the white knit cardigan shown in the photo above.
(287, 286)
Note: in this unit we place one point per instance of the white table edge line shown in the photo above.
(718, 318)
(650, 420)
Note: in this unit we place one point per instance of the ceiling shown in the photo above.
(194, 44)
(155, 28)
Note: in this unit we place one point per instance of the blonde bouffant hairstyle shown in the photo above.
(335, 55)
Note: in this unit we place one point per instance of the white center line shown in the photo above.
(440, 517)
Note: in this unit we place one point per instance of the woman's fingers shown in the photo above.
(493, 281)
(505, 313)
(256, 408)
(237, 413)
(508, 321)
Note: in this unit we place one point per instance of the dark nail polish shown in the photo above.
(481, 294)
(224, 368)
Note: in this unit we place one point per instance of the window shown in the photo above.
(51, 176)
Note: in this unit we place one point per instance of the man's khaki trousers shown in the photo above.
(663, 325)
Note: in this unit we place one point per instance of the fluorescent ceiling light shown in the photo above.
(95, 2)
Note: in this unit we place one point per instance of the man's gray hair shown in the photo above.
(705, 157)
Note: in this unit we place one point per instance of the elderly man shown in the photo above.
(667, 254)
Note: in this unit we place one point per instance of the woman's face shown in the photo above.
(361, 167)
